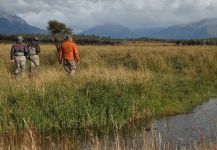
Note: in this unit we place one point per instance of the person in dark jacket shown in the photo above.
(18, 52)
(33, 49)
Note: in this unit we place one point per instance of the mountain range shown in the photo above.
(110, 30)
(206, 28)
(11, 24)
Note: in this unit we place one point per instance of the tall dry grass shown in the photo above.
(122, 82)
(32, 140)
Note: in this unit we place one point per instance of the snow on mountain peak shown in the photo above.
(11, 18)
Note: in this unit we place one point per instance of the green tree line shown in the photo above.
(79, 39)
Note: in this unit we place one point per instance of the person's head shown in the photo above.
(69, 37)
(35, 39)
(20, 39)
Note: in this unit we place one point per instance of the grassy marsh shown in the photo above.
(112, 86)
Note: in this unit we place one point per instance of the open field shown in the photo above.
(113, 85)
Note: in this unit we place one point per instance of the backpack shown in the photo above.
(32, 50)
(19, 49)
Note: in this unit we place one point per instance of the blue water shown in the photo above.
(197, 127)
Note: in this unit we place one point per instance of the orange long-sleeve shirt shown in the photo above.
(68, 51)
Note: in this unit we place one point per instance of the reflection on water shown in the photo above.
(198, 126)
(184, 130)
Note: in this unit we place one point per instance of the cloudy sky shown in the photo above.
(83, 14)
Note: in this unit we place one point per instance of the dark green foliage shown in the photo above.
(55, 27)
(79, 39)
(94, 104)
(58, 31)
(112, 101)
(210, 41)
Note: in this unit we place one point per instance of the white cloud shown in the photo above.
(82, 14)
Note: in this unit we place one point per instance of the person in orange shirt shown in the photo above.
(68, 53)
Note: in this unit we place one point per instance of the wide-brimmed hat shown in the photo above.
(36, 39)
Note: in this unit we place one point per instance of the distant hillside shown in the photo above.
(110, 30)
(147, 32)
(206, 28)
(10, 24)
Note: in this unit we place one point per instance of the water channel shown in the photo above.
(185, 130)
(196, 127)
